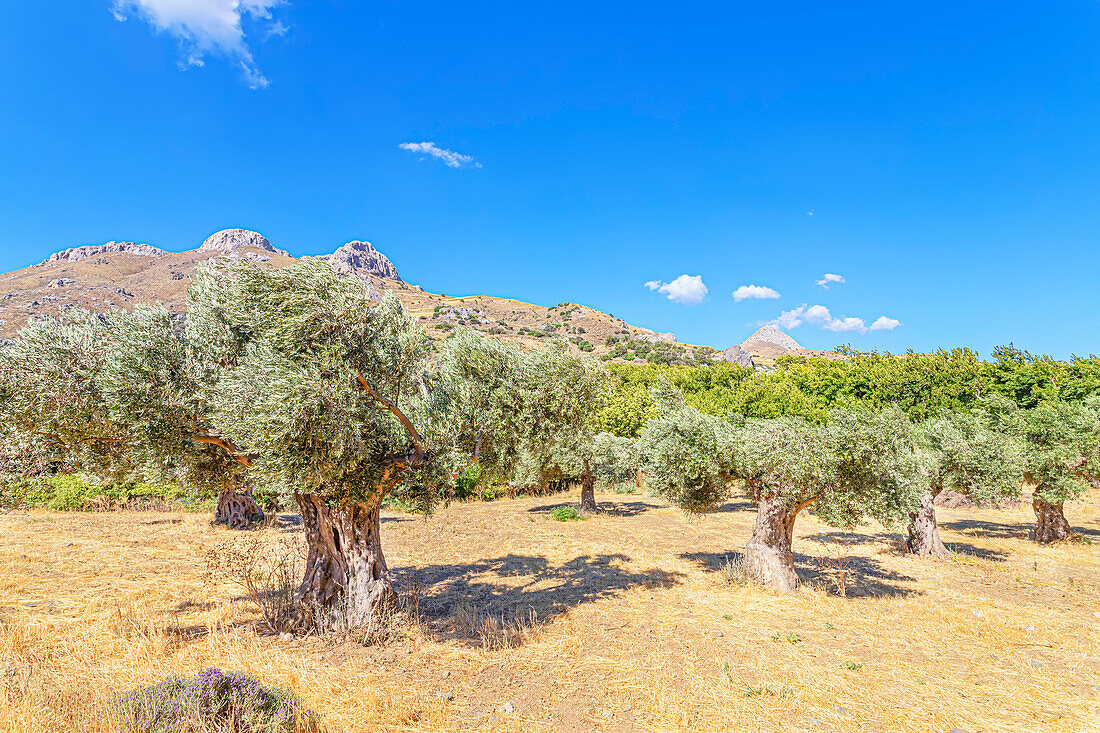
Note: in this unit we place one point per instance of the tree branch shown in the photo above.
(418, 442)
(230, 448)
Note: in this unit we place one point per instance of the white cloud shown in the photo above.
(830, 277)
(845, 325)
(686, 289)
(818, 315)
(449, 157)
(754, 291)
(207, 26)
(882, 323)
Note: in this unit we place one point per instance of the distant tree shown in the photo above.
(560, 396)
(614, 459)
(860, 464)
(1061, 455)
(964, 452)
(532, 414)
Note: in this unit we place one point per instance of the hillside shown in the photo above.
(124, 274)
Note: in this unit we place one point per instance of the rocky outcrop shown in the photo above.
(656, 338)
(772, 336)
(736, 355)
(361, 258)
(91, 250)
(230, 240)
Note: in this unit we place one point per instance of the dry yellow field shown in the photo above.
(622, 622)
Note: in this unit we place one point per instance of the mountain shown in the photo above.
(125, 274)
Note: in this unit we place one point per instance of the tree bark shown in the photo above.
(768, 554)
(1050, 521)
(588, 494)
(924, 533)
(237, 509)
(639, 480)
(347, 584)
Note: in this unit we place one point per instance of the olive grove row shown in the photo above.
(293, 381)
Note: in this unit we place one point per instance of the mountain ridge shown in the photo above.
(125, 274)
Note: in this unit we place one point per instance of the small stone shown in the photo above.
(607, 713)
(1029, 629)
(286, 636)
(508, 708)
(977, 613)
(628, 708)
(718, 634)
(840, 710)
(446, 696)
(447, 674)
(956, 730)
(1036, 663)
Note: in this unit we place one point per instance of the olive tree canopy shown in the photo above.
(859, 464)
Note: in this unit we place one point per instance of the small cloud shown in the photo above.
(882, 323)
(754, 291)
(208, 27)
(810, 212)
(450, 158)
(686, 289)
(829, 277)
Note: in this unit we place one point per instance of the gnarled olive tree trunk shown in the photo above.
(924, 533)
(237, 509)
(768, 554)
(588, 491)
(346, 583)
(1050, 521)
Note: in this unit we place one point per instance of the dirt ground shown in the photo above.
(621, 622)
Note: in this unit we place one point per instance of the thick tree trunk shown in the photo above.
(924, 533)
(768, 555)
(347, 584)
(639, 480)
(588, 494)
(1050, 521)
(237, 510)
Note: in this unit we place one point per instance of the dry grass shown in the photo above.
(620, 623)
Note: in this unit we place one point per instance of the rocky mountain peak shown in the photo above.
(75, 254)
(361, 258)
(230, 240)
(773, 336)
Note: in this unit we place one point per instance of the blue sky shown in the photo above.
(949, 153)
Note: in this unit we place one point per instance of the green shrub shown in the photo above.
(565, 514)
(66, 492)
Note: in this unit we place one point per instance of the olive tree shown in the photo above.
(332, 394)
(614, 459)
(561, 394)
(860, 464)
(962, 451)
(293, 375)
(529, 415)
(1061, 455)
(112, 395)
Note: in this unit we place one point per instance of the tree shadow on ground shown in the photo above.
(465, 601)
(896, 543)
(1005, 530)
(857, 576)
(611, 509)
